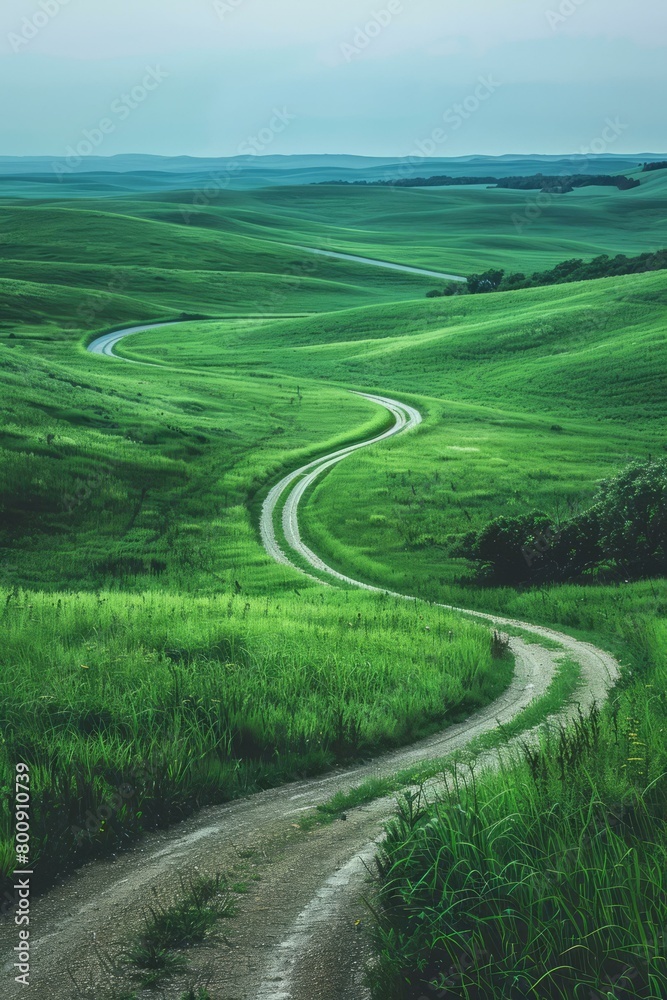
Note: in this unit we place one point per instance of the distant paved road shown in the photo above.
(379, 263)
(106, 343)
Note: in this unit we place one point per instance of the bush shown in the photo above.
(451, 288)
(632, 511)
(505, 547)
(574, 269)
(623, 533)
(489, 281)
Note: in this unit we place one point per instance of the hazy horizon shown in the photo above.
(519, 154)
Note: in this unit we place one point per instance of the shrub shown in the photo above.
(632, 511)
(623, 533)
(504, 547)
(451, 288)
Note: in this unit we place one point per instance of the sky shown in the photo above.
(223, 77)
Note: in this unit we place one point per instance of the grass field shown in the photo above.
(140, 612)
(530, 397)
(465, 229)
(161, 249)
(144, 476)
(142, 708)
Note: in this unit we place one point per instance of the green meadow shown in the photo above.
(530, 399)
(135, 709)
(155, 659)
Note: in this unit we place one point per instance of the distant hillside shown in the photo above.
(46, 176)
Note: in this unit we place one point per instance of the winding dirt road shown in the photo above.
(297, 933)
(405, 418)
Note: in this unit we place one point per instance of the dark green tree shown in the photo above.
(509, 548)
(489, 281)
(632, 512)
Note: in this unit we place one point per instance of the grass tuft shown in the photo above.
(155, 956)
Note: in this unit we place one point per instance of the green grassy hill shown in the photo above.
(583, 334)
(459, 230)
(531, 398)
(165, 265)
(567, 366)
(454, 229)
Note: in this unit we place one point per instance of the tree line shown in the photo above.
(575, 269)
(558, 184)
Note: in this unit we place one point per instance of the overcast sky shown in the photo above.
(204, 78)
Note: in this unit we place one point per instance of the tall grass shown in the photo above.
(133, 710)
(546, 879)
